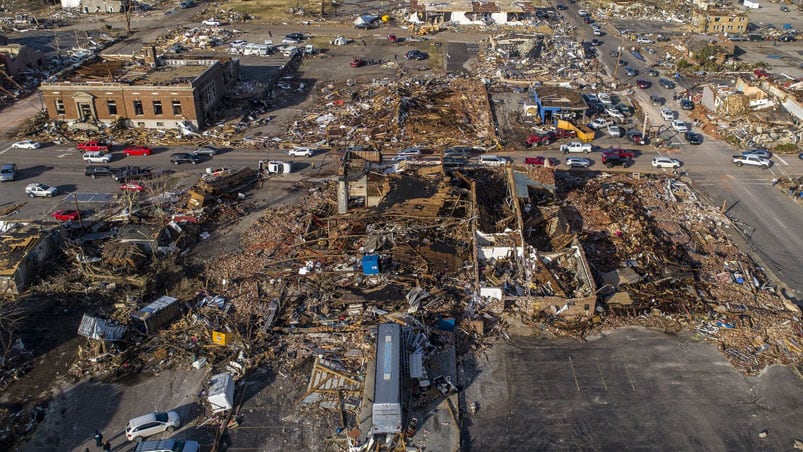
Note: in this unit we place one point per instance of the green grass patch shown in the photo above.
(273, 10)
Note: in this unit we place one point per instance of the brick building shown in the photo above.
(161, 94)
(719, 21)
(16, 58)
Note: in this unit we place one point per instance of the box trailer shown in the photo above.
(387, 411)
(155, 315)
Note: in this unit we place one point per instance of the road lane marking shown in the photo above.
(5, 150)
(781, 160)
(778, 220)
(576, 383)
(600, 374)
(627, 372)
(61, 156)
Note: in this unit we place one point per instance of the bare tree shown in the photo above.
(11, 315)
(128, 8)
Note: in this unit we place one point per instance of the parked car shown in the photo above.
(623, 63)
(98, 171)
(187, 4)
(600, 123)
(459, 152)
(133, 187)
(614, 113)
(26, 144)
(168, 445)
(410, 152)
(643, 40)
(578, 162)
(130, 172)
(665, 162)
(656, 100)
(614, 131)
(785, 8)
(763, 153)
(211, 22)
(96, 157)
(93, 146)
(357, 62)
(576, 146)
(636, 137)
(150, 424)
(184, 158)
(37, 190)
(137, 150)
(598, 32)
(653, 73)
(416, 55)
(686, 104)
(596, 42)
(205, 150)
(629, 70)
(66, 215)
(668, 84)
(680, 126)
(615, 53)
(667, 114)
(693, 138)
(787, 38)
(542, 161)
(300, 151)
(8, 172)
(751, 160)
(643, 84)
(492, 160)
(560, 7)
(619, 152)
(454, 161)
(582, 13)
(614, 160)
(292, 38)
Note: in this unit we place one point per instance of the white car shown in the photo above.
(614, 113)
(575, 146)
(300, 152)
(578, 162)
(37, 190)
(600, 123)
(150, 424)
(605, 98)
(679, 126)
(205, 150)
(27, 144)
(667, 114)
(582, 13)
(614, 131)
(211, 22)
(641, 40)
(665, 162)
(96, 157)
(492, 160)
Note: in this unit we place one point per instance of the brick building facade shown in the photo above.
(172, 92)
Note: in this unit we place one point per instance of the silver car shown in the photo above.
(150, 424)
(578, 162)
(205, 150)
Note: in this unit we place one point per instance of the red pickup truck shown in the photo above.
(549, 137)
(93, 146)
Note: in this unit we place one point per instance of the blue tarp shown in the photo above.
(370, 265)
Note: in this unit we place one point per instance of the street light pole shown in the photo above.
(618, 60)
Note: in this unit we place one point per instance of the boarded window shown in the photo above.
(112, 107)
(138, 108)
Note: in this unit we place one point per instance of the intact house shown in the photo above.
(17, 58)
(154, 93)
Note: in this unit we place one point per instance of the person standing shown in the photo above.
(98, 438)
(107, 447)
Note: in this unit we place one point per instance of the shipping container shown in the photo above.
(387, 412)
(155, 315)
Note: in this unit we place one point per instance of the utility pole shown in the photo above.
(618, 60)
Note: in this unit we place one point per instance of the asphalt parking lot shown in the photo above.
(631, 389)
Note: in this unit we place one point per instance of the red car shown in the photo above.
(643, 84)
(761, 73)
(66, 215)
(619, 152)
(132, 186)
(137, 150)
(93, 146)
(541, 161)
(393, 38)
(357, 62)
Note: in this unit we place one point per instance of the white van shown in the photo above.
(492, 160)
(168, 445)
(97, 157)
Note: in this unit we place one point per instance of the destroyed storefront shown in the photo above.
(24, 250)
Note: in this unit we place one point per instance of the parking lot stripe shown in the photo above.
(600, 374)
(577, 383)
(627, 372)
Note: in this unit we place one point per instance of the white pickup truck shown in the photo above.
(576, 146)
(752, 160)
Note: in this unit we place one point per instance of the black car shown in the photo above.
(668, 84)
(656, 100)
(686, 104)
(458, 152)
(596, 42)
(294, 37)
(184, 158)
(693, 138)
(98, 171)
(560, 7)
(787, 38)
(130, 172)
(615, 160)
(622, 63)
(416, 55)
(652, 73)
